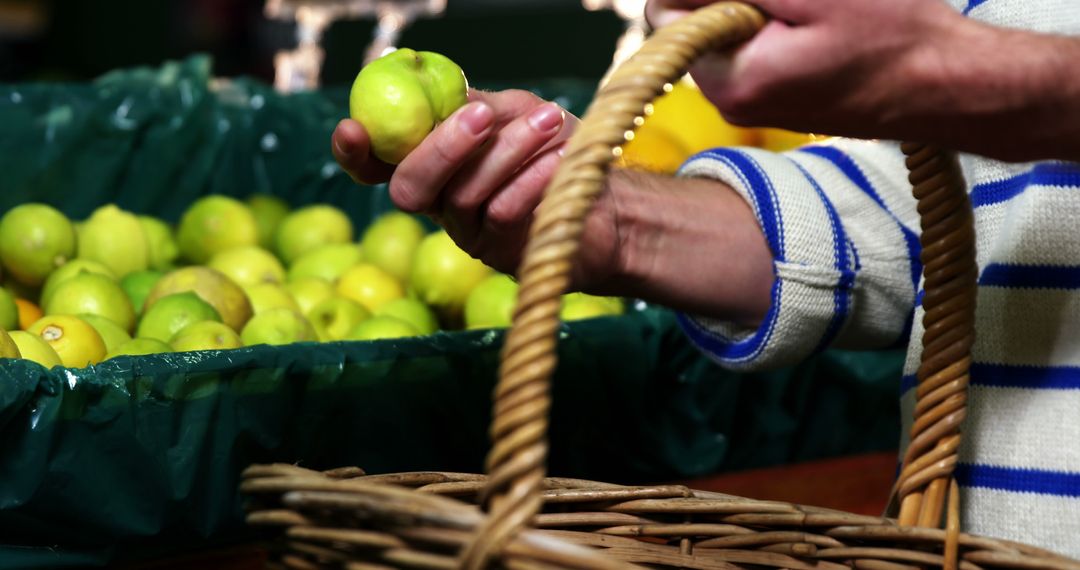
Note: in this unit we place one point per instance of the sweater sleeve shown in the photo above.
(841, 223)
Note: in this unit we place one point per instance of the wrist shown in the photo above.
(1002, 93)
(692, 245)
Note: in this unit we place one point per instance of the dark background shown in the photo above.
(493, 40)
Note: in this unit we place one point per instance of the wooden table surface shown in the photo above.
(857, 484)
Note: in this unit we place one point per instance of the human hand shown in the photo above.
(481, 174)
(839, 67)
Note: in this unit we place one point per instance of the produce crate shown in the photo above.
(140, 457)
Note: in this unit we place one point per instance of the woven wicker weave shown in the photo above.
(517, 518)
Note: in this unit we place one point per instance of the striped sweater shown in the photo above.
(841, 222)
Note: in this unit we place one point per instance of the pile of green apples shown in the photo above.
(233, 273)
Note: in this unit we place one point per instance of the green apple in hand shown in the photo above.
(400, 97)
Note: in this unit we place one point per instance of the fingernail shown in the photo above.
(477, 118)
(341, 150)
(546, 118)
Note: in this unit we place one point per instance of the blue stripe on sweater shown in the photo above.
(1030, 276)
(1018, 480)
(1015, 376)
(1029, 377)
(851, 170)
(1042, 174)
(972, 4)
(907, 382)
(764, 198)
(841, 245)
(761, 189)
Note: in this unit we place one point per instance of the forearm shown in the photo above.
(693, 245)
(1006, 94)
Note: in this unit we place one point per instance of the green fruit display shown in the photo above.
(336, 317)
(310, 228)
(172, 313)
(326, 262)
(491, 303)
(140, 347)
(34, 349)
(138, 285)
(390, 243)
(161, 244)
(205, 335)
(443, 276)
(90, 293)
(115, 238)
(212, 286)
(69, 270)
(277, 326)
(8, 348)
(35, 239)
(379, 328)
(268, 211)
(9, 311)
(214, 224)
(412, 311)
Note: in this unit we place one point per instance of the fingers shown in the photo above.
(508, 209)
(422, 174)
(351, 147)
(659, 13)
(507, 150)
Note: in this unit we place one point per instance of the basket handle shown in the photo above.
(516, 461)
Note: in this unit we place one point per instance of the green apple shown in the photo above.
(115, 238)
(34, 348)
(581, 306)
(213, 224)
(139, 347)
(212, 286)
(69, 270)
(248, 265)
(113, 335)
(35, 239)
(309, 228)
(400, 97)
(443, 275)
(267, 296)
(205, 335)
(277, 326)
(94, 294)
(336, 317)
(269, 211)
(8, 348)
(138, 285)
(491, 303)
(9, 311)
(309, 291)
(383, 327)
(173, 312)
(369, 286)
(412, 311)
(391, 241)
(163, 250)
(326, 262)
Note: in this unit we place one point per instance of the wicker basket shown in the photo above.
(517, 518)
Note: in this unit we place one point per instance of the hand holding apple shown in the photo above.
(400, 97)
